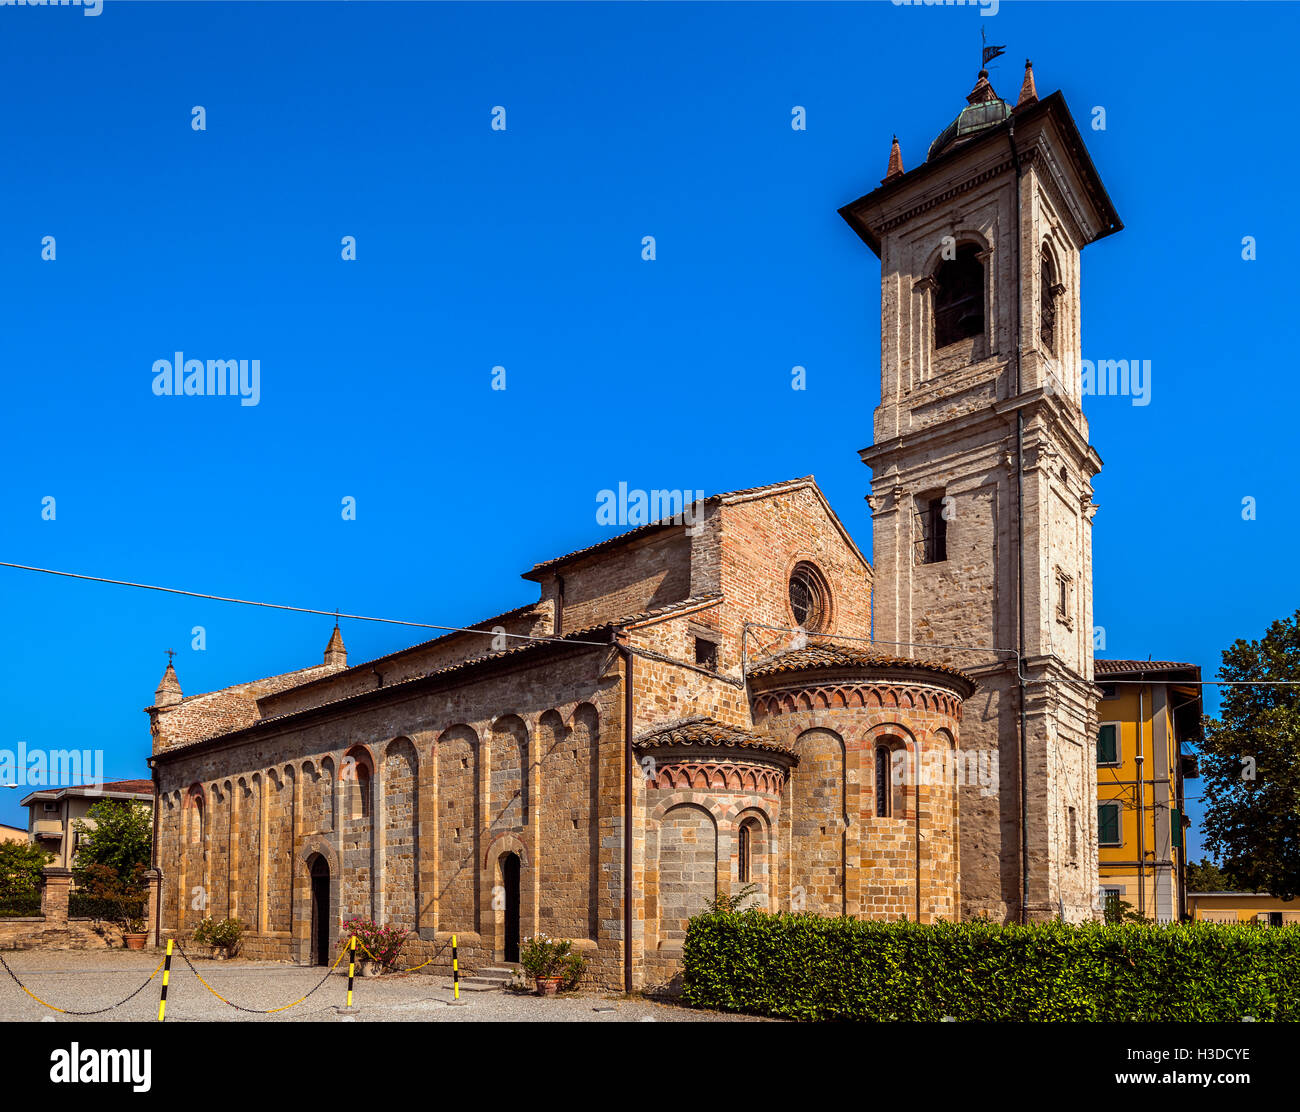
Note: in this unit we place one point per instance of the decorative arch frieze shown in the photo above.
(851, 696)
(719, 776)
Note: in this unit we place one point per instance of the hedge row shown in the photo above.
(84, 906)
(813, 968)
(21, 903)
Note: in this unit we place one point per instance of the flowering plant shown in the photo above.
(382, 944)
(543, 956)
(221, 934)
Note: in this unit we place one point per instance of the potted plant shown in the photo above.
(118, 899)
(551, 963)
(134, 933)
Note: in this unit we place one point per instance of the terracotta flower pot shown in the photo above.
(135, 941)
(369, 968)
(548, 986)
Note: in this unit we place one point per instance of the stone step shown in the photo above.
(480, 984)
(499, 972)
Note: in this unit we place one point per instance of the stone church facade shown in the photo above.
(732, 696)
(454, 787)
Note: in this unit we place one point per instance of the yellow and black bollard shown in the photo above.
(352, 967)
(167, 972)
(455, 971)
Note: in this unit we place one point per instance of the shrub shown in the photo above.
(25, 903)
(22, 869)
(814, 968)
(575, 965)
(543, 956)
(105, 895)
(121, 839)
(224, 934)
(384, 943)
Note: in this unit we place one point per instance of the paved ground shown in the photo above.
(86, 980)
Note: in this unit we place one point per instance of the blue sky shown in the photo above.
(522, 248)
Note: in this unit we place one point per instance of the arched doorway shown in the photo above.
(320, 911)
(510, 883)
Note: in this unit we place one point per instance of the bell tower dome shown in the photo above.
(981, 485)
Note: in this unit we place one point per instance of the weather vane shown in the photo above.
(989, 52)
(170, 653)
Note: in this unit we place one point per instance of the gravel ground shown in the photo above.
(86, 980)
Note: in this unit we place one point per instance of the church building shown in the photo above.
(732, 698)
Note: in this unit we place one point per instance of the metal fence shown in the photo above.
(20, 904)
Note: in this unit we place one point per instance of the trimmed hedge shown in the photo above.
(81, 905)
(814, 968)
(20, 904)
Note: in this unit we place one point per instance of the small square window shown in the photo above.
(706, 653)
(1109, 690)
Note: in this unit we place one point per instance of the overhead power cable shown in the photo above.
(336, 614)
(296, 609)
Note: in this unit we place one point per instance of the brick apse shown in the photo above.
(476, 784)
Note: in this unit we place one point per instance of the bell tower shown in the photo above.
(981, 477)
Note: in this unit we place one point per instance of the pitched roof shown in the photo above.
(596, 636)
(1116, 667)
(709, 731)
(109, 787)
(824, 656)
(536, 571)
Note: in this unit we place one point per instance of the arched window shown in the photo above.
(891, 780)
(360, 793)
(745, 841)
(883, 797)
(959, 297)
(1047, 292)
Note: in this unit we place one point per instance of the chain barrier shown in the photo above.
(410, 969)
(238, 1007)
(260, 1011)
(69, 1011)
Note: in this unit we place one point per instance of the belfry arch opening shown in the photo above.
(959, 297)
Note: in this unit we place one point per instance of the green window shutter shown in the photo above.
(1176, 828)
(1108, 823)
(1107, 744)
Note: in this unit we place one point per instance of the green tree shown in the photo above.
(121, 839)
(1206, 876)
(1250, 764)
(21, 866)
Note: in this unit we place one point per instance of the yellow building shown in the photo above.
(1242, 907)
(12, 834)
(1149, 711)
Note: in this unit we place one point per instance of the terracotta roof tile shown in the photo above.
(1112, 667)
(123, 787)
(586, 634)
(828, 655)
(708, 731)
(665, 523)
